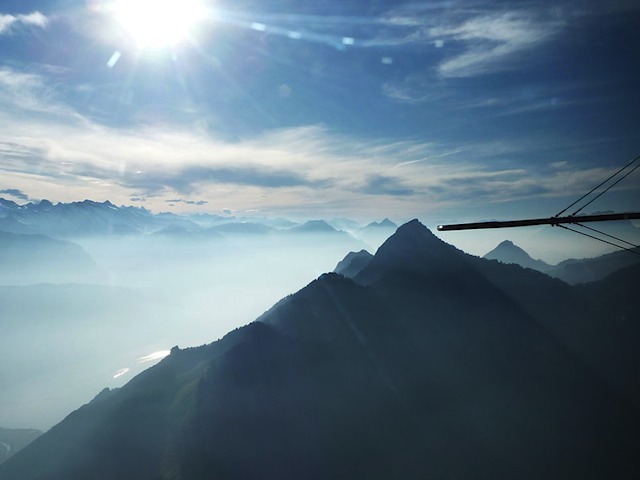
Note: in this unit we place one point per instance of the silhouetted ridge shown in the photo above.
(8, 204)
(572, 271)
(413, 249)
(592, 269)
(435, 364)
(386, 223)
(353, 263)
(314, 226)
(508, 252)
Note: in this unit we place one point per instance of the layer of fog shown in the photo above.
(65, 340)
(61, 344)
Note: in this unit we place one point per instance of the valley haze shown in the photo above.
(88, 289)
(268, 176)
(424, 360)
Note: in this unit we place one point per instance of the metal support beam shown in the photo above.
(541, 221)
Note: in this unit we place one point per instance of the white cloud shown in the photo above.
(490, 41)
(49, 150)
(34, 18)
(9, 22)
(415, 89)
(29, 94)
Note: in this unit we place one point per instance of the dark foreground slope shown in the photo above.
(429, 364)
(12, 440)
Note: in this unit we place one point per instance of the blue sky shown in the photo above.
(445, 110)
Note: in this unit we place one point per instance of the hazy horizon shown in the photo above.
(350, 111)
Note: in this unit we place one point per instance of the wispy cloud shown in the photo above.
(461, 40)
(188, 178)
(188, 202)
(10, 23)
(29, 94)
(415, 89)
(470, 38)
(63, 156)
(491, 42)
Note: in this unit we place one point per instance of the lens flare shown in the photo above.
(154, 356)
(120, 372)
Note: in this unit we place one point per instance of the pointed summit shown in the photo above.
(412, 249)
(415, 236)
(414, 226)
(508, 252)
(314, 226)
(387, 223)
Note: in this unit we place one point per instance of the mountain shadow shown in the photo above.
(430, 363)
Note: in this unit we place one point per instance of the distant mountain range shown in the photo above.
(35, 239)
(93, 219)
(425, 363)
(76, 219)
(572, 271)
(376, 233)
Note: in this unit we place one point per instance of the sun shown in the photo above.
(158, 23)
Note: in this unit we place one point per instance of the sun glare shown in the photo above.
(158, 23)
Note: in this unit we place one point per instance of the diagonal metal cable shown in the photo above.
(598, 186)
(607, 189)
(600, 239)
(608, 235)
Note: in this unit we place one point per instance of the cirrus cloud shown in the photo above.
(490, 42)
(61, 155)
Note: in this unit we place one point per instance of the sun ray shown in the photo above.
(158, 23)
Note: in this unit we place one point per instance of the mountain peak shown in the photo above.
(509, 252)
(413, 248)
(315, 226)
(417, 234)
(413, 226)
(8, 204)
(386, 223)
(353, 263)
